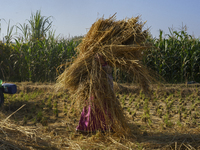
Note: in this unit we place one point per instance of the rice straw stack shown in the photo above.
(121, 44)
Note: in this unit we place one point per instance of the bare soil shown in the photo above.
(170, 119)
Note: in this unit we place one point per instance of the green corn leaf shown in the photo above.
(1, 83)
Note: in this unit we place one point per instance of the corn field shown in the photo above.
(37, 54)
(34, 61)
(176, 58)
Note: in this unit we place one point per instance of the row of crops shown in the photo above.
(37, 55)
(176, 58)
(34, 61)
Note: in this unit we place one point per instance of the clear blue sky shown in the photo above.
(75, 17)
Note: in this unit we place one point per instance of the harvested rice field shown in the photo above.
(35, 118)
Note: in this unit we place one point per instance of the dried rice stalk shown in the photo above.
(5, 124)
(121, 44)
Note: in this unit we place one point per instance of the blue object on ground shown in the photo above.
(9, 88)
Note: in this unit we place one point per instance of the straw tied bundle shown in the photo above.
(120, 44)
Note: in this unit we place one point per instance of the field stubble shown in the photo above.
(169, 120)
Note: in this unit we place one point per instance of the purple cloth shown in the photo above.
(93, 120)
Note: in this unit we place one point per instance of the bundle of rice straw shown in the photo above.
(121, 44)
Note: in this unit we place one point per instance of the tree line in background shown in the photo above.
(37, 55)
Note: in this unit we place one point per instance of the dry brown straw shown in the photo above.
(121, 44)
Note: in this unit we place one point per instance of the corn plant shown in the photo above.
(37, 53)
(175, 58)
(39, 25)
